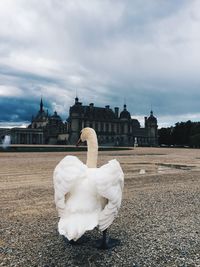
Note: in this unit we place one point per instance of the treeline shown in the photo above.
(182, 134)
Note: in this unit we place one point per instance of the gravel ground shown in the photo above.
(158, 224)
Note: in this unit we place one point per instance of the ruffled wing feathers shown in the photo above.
(65, 176)
(110, 183)
(109, 180)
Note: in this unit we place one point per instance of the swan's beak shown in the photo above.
(78, 142)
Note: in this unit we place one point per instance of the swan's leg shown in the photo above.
(104, 244)
(107, 243)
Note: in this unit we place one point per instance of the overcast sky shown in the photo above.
(146, 53)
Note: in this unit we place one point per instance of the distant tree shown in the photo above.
(195, 128)
(195, 140)
(195, 135)
(165, 137)
(182, 134)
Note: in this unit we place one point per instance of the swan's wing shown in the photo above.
(66, 174)
(110, 183)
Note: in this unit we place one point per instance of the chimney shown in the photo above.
(76, 100)
(107, 107)
(91, 105)
(145, 121)
(117, 112)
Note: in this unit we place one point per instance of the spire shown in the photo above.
(151, 112)
(41, 105)
(125, 103)
(76, 98)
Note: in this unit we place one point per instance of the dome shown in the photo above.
(125, 114)
(151, 118)
(55, 116)
(77, 107)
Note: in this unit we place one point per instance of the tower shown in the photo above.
(41, 119)
(75, 120)
(125, 118)
(151, 127)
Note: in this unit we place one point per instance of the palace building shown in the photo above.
(112, 127)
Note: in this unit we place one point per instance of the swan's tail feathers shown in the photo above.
(75, 225)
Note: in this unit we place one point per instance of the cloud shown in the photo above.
(10, 91)
(144, 51)
(13, 109)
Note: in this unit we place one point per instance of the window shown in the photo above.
(122, 128)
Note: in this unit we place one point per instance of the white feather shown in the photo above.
(86, 197)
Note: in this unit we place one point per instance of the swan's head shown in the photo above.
(86, 134)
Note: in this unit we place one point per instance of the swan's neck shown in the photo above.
(92, 152)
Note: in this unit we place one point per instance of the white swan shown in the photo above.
(87, 196)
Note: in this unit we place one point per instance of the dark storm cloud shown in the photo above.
(143, 52)
(18, 110)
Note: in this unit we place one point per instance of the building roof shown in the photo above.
(93, 113)
(151, 118)
(42, 115)
(125, 114)
(55, 117)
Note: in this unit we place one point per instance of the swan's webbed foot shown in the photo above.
(107, 242)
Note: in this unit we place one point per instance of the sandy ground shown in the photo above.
(158, 224)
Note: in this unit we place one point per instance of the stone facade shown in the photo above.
(27, 136)
(112, 127)
(52, 126)
(44, 129)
